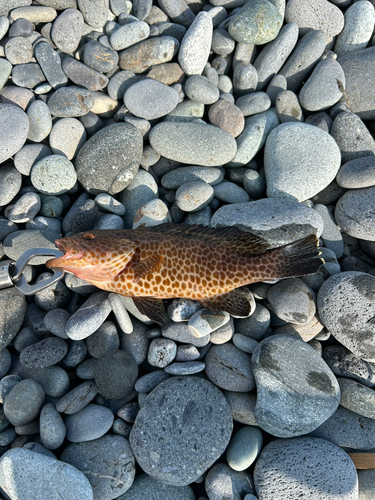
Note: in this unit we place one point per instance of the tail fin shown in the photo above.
(298, 258)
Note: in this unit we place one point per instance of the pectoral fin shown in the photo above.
(153, 308)
(144, 267)
(236, 302)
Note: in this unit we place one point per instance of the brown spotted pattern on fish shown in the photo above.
(175, 260)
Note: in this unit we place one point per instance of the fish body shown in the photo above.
(176, 260)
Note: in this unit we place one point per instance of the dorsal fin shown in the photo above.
(230, 236)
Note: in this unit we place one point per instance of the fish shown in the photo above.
(208, 265)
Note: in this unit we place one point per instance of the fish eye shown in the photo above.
(88, 236)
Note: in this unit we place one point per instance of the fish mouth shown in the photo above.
(71, 252)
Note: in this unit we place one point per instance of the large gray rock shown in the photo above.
(346, 308)
(182, 429)
(355, 215)
(310, 468)
(296, 391)
(14, 128)
(291, 146)
(26, 474)
(110, 159)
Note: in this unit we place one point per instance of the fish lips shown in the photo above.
(60, 262)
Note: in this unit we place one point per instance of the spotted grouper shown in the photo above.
(176, 260)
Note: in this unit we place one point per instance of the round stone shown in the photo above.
(141, 56)
(107, 462)
(23, 403)
(290, 377)
(304, 473)
(291, 145)
(119, 145)
(257, 22)
(150, 99)
(346, 307)
(53, 175)
(27, 473)
(355, 215)
(193, 143)
(227, 116)
(18, 50)
(115, 374)
(244, 447)
(14, 129)
(352, 137)
(99, 57)
(156, 440)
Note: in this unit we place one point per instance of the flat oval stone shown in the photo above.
(346, 307)
(67, 30)
(71, 101)
(84, 321)
(196, 45)
(287, 147)
(23, 403)
(244, 447)
(193, 143)
(90, 423)
(129, 34)
(316, 15)
(305, 55)
(52, 427)
(352, 137)
(229, 368)
(50, 62)
(34, 14)
(150, 99)
(358, 66)
(18, 50)
(45, 353)
(290, 376)
(357, 173)
(357, 397)
(334, 477)
(76, 399)
(193, 196)
(10, 184)
(355, 215)
(258, 22)
(67, 137)
(40, 121)
(199, 89)
(227, 116)
(147, 53)
(95, 12)
(28, 75)
(99, 57)
(348, 429)
(27, 473)
(119, 145)
(322, 90)
(107, 462)
(204, 410)
(14, 128)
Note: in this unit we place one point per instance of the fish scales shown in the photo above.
(174, 260)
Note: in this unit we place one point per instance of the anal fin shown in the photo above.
(151, 307)
(147, 266)
(236, 302)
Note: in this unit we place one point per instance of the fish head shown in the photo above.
(93, 256)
